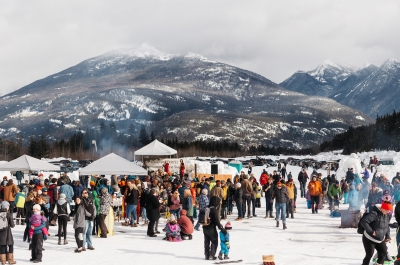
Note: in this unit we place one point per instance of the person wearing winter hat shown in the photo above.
(376, 232)
(186, 226)
(172, 230)
(225, 245)
(37, 238)
(280, 195)
(6, 237)
(62, 211)
(37, 220)
(238, 197)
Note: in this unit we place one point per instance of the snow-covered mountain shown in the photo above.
(372, 90)
(187, 96)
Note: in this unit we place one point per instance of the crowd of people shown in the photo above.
(89, 204)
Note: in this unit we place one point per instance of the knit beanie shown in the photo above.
(172, 218)
(387, 206)
(5, 204)
(36, 207)
(228, 226)
(62, 196)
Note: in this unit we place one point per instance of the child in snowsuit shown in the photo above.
(225, 245)
(353, 198)
(36, 220)
(172, 230)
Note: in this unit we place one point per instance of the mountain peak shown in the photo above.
(144, 51)
(390, 61)
(328, 62)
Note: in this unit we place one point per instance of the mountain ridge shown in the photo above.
(373, 90)
(159, 90)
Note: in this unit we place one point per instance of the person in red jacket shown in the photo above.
(264, 177)
(186, 226)
(166, 166)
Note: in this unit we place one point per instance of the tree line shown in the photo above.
(94, 143)
(384, 134)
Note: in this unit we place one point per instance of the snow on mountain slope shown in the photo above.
(372, 90)
(148, 86)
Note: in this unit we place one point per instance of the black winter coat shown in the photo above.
(132, 196)
(211, 228)
(302, 177)
(376, 222)
(276, 178)
(238, 196)
(349, 177)
(90, 209)
(270, 191)
(280, 195)
(6, 237)
(28, 209)
(152, 208)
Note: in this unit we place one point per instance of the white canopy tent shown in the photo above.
(112, 164)
(28, 163)
(155, 148)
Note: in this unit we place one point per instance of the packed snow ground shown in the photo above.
(309, 239)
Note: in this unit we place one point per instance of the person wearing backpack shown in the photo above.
(203, 203)
(210, 230)
(376, 232)
(6, 237)
(62, 211)
(19, 203)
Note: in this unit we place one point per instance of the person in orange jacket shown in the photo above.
(315, 189)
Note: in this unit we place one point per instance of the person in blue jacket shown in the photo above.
(78, 188)
(225, 245)
(68, 191)
(105, 183)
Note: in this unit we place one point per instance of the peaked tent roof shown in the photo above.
(25, 163)
(156, 148)
(112, 164)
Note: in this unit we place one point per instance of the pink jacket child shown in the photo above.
(172, 230)
(36, 220)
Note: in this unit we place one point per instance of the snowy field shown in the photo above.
(309, 239)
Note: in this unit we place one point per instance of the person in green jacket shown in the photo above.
(96, 201)
(334, 195)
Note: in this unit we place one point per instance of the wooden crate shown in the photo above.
(216, 176)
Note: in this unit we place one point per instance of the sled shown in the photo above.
(228, 261)
(109, 221)
(268, 260)
(394, 258)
